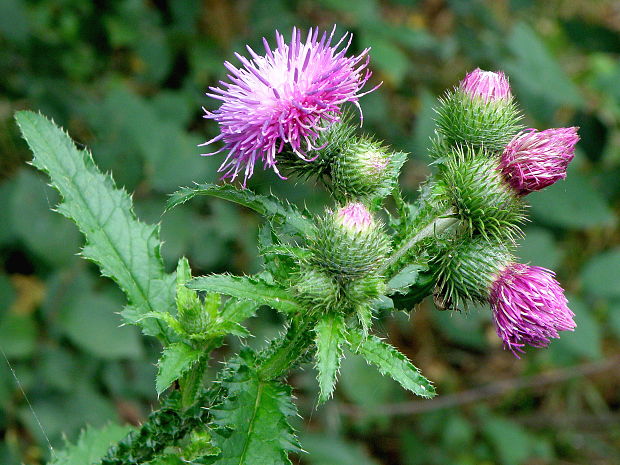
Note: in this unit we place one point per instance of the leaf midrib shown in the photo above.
(69, 179)
(259, 393)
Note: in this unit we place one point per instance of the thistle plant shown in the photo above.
(328, 273)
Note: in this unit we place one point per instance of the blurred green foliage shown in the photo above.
(127, 78)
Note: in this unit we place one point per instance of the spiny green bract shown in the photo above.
(331, 143)
(465, 268)
(194, 315)
(462, 119)
(479, 194)
(365, 169)
(348, 255)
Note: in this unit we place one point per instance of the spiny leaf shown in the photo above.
(244, 287)
(268, 206)
(390, 362)
(236, 311)
(405, 278)
(329, 338)
(177, 359)
(253, 419)
(126, 250)
(91, 445)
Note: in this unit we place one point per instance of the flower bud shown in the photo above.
(365, 169)
(464, 269)
(194, 316)
(479, 194)
(534, 160)
(487, 85)
(317, 289)
(528, 304)
(350, 243)
(529, 307)
(480, 112)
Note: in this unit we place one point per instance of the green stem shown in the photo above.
(294, 345)
(401, 205)
(439, 224)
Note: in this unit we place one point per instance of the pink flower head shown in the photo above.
(355, 217)
(529, 307)
(534, 160)
(287, 96)
(488, 85)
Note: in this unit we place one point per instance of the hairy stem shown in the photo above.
(439, 224)
(293, 346)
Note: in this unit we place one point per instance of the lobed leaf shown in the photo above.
(126, 250)
(268, 206)
(253, 419)
(177, 359)
(244, 287)
(390, 362)
(91, 445)
(330, 335)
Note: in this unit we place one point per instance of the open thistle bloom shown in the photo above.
(488, 85)
(529, 307)
(534, 160)
(287, 96)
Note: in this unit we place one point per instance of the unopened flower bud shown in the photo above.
(480, 195)
(529, 307)
(480, 112)
(354, 218)
(535, 159)
(487, 85)
(528, 304)
(365, 169)
(316, 289)
(350, 243)
(194, 315)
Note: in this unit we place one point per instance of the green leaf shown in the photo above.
(532, 58)
(176, 360)
(253, 419)
(405, 278)
(390, 362)
(328, 449)
(601, 275)
(236, 311)
(244, 287)
(125, 249)
(91, 445)
(573, 204)
(329, 338)
(91, 322)
(18, 335)
(268, 206)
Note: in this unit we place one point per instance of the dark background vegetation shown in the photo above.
(127, 79)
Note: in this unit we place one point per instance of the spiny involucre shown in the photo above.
(286, 97)
(529, 307)
(535, 159)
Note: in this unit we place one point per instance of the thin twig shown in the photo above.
(484, 392)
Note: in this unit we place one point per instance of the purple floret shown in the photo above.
(355, 217)
(529, 307)
(534, 160)
(488, 85)
(286, 97)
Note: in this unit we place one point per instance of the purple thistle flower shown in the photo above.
(355, 217)
(488, 85)
(287, 96)
(534, 160)
(529, 307)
